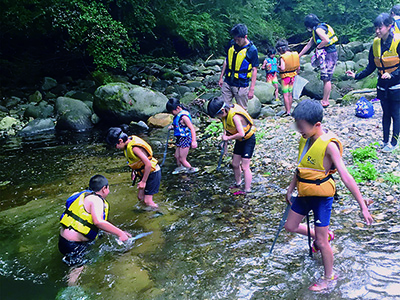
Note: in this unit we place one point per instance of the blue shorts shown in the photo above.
(153, 183)
(184, 141)
(321, 206)
(74, 252)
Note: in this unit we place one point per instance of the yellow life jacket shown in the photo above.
(76, 217)
(396, 25)
(292, 63)
(229, 124)
(389, 60)
(311, 177)
(135, 162)
(331, 35)
(238, 66)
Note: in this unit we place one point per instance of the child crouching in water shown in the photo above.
(185, 135)
(289, 65)
(270, 66)
(320, 155)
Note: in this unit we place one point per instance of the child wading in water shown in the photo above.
(140, 159)
(185, 135)
(238, 125)
(289, 65)
(320, 155)
(271, 68)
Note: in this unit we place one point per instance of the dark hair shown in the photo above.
(383, 19)
(174, 103)
(311, 20)
(114, 134)
(214, 106)
(239, 30)
(271, 50)
(309, 110)
(396, 10)
(282, 45)
(97, 182)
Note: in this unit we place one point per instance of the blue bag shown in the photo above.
(364, 108)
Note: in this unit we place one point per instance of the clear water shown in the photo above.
(208, 244)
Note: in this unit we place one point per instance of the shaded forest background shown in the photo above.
(49, 37)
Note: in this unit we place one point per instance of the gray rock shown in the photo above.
(181, 89)
(214, 62)
(35, 97)
(265, 92)
(355, 47)
(214, 68)
(254, 107)
(211, 80)
(4, 109)
(353, 96)
(170, 74)
(194, 84)
(73, 114)
(37, 126)
(307, 67)
(139, 125)
(80, 95)
(186, 68)
(160, 85)
(43, 110)
(361, 55)
(60, 89)
(12, 101)
(267, 111)
(188, 98)
(49, 83)
(95, 119)
(314, 87)
(345, 54)
(361, 64)
(119, 103)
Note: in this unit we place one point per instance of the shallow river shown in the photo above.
(207, 244)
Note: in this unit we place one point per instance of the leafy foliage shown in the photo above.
(390, 177)
(215, 129)
(363, 154)
(363, 171)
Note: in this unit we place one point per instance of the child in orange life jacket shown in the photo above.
(185, 135)
(270, 66)
(85, 214)
(140, 159)
(238, 125)
(320, 155)
(289, 65)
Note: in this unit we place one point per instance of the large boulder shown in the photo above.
(345, 54)
(160, 120)
(254, 107)
(355, 47)
(73, 114)
(314, 87)
(43, 110)
(119, 103)
(49, 83)
(214, 62)
(361, 55)
(265, 92)
(37, 126)
(80, 95)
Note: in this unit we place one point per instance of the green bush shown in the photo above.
(363, 154)
(390, 177)
(363, 171)
(215, 129)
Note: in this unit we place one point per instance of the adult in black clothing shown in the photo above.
(384, 55)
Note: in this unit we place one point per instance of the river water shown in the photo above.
(207, 244)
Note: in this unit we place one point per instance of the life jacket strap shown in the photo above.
(80, 220)
(316, 181)
(385, 68)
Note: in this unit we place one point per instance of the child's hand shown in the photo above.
(221, 82)
(386, 75)
(351, 74)
(194, 144)
(367, 216)
(288, 198)
(251, 94)
(124, 236)
(225, 137)
(170, 127)
(133, 175)
(141, 185)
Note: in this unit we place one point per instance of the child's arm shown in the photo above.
(333, 152)
(96, 207)
(189, 124)
(324, 38)
(221, 77)
(282, 65)
(253, 82)
(264, 64)
(147, 166)
(239, 127)
(290, 189)
(307, 47)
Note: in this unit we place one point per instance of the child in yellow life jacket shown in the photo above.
(140, 159)
(185, 135)
(320, 155)
(85, 214)
(289, 66)
(238, 125)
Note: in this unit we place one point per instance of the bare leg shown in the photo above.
(327, 257)
(293, 224)
(247, 174)
(183, 153)
(148, 200)
(276, 91)
(286, 100)
(327, 93)
(74, 274)
(236, 168)
(140, 194)
(177, 156)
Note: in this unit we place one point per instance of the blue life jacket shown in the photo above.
(364, 108)
(179, 129)
(274, 64)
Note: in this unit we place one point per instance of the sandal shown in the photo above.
(323, 283)
(241, 192)
(331, 237)
(235, 186)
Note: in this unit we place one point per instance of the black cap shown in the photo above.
(214, 106)
(113, 135)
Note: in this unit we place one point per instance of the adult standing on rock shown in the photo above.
(239, 69)
(384, 55)
(324, 37)
(395, 13)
